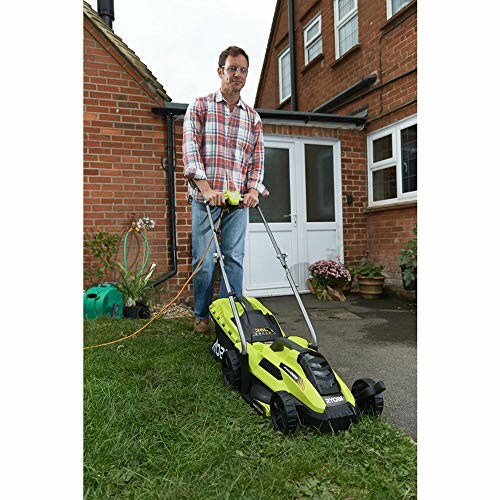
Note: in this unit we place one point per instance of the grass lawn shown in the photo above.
(160, 423)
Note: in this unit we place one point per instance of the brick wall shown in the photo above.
(388, 231)
(386, 48)
(124, 144)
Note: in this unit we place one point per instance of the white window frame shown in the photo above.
(308, 43)
(395, 161)
(389, 8)
(281, 76)
(339, 23)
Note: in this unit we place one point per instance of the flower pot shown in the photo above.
(371, 288)
(327, 293)
(136, 312)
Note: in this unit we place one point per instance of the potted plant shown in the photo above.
(136, 289)
(408, 262)
(370, 279)
(328, 278)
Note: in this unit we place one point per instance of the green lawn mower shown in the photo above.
(284, 377)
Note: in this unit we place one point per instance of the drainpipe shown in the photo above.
(106, 9)
(171, 198)
(291, 44)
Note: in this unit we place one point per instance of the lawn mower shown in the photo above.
(284, 377)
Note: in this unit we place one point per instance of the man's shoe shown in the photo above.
(202, 325)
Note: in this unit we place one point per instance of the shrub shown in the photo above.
(408, 259)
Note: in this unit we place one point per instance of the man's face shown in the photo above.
(233, 81)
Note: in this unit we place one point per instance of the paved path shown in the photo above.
(364, 338)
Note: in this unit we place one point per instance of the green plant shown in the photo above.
(135, 286)
(369, 270)
(408, 259)
(103, 246)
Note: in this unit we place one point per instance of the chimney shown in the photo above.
(106, 10)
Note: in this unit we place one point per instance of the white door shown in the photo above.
(263, 274)
(304, 212)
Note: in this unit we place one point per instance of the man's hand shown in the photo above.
(251, 199)
(215, 198)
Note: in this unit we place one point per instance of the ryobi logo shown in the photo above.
(333, 400)
(218, 350)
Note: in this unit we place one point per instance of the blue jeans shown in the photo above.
(233, 230)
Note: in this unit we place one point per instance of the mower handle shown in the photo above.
(234, 200)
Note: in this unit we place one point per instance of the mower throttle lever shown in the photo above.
(234, 200)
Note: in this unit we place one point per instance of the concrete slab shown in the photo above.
(381, 343)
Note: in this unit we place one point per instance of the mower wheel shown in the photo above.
(373, 405)
(231, 369)
(283, 412)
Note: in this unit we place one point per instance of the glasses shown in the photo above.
(234, 69)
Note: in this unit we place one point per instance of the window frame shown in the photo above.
(338, 24)
(307, 44)
(281, 56)
(389, 8)
(395, 161)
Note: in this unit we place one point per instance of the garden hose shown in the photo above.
(134, 228)
(164, 308)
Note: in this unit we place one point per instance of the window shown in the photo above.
(320, 189)
(392, 163)
(346, 25)
(394, 6)
(284, 74)
(312, 39)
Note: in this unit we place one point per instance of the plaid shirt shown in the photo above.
(226, 149)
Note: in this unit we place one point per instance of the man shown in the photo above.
(223, 149)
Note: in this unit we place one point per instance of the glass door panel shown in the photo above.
(320, 188)
(276, 208)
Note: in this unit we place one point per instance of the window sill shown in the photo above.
(411, 7)
(312, 63)
(391, 206)
(343, 57)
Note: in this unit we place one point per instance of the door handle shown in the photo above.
(292, 216)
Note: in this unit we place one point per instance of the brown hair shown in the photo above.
(232, 51)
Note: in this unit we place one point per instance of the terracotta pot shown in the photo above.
(371, 288)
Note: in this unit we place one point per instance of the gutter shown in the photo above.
(308, 117)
